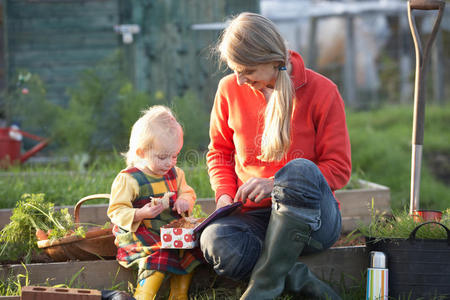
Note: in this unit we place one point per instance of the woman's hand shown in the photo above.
(148, 212)
(224, 200)
(181, 206)
(254, 189)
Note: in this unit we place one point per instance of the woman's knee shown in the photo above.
(298, 169)
(232, 252)
(300, 184)
(211, 240)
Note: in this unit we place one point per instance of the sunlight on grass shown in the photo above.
(381, 153)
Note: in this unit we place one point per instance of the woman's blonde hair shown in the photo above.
(249, 40)
(155, 122)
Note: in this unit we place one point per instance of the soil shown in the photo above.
(35, 259)
(184, 223)
(344, 241)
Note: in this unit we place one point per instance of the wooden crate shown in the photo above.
(356, 204)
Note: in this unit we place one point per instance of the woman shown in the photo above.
(279, 143)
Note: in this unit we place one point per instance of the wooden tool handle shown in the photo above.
(76, 211)
(427, 4)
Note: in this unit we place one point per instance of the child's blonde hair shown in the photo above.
(249, 40)
(156, 121)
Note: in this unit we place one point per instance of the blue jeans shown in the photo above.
(233, 244)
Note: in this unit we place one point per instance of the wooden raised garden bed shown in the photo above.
(333, 265)
(355, 206)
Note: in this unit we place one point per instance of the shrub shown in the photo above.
(26, 103)
(193, 115)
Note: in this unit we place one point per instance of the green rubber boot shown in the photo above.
(301, 280)
(286, 237)
(278, 266)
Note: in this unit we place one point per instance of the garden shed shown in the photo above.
(57, 39)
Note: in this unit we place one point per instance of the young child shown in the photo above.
(156, 139)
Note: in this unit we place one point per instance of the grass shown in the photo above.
(381, 153)
(401, 224)
(354, 289)
(12, 284)
(64, 184)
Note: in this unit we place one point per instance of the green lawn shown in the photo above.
(381, 152)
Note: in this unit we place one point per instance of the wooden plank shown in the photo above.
(47, 72)
(359, 202)
(60, 56)
(6, 50)
(334, 264)
(26, 9)
(57, 40)
(101, 274)
(51, 293)
(354, 206)
(208, 205)
(3, 65)
(75, 24)
(96, 214)
(166, 40)
(61, 41)
(349, 67)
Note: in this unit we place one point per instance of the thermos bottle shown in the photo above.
(377, 277)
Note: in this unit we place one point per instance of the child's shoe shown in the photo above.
(179, 286)
(148, 288)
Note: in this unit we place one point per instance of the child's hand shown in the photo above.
(181, 205)
(148, 212)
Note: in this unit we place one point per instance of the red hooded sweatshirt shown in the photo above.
(318, 132)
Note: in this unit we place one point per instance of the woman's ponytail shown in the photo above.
(276, 137)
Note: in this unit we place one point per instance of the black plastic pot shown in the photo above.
(417, 267)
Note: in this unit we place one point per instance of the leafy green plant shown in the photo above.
(12, 285)
(25, 102)
(197, 212)
(33, 213)
(92, 99)
(400, 225)
(129, 105)
(193, 115)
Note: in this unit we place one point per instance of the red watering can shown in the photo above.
(11, 142)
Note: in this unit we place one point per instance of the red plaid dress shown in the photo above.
(142, 249)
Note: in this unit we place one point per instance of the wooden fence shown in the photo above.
(59, 39)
